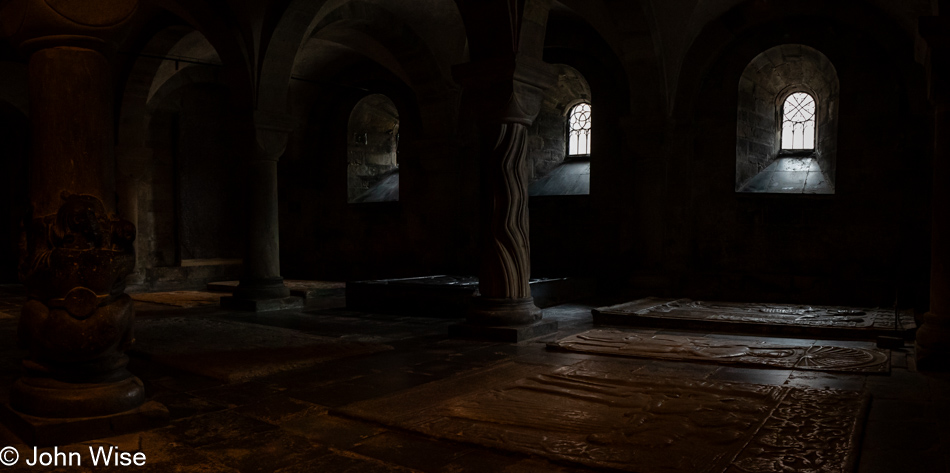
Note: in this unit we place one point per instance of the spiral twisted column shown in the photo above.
(505, 95)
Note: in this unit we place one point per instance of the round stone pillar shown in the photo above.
(77, 321)
(75, 252)
(261, 278)
(261, 287)
(933, 336)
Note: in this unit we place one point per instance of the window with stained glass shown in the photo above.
(798, 122)
(578, 143)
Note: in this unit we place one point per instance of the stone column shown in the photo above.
(933, 336)
(506, 94)
(75, 253)
(261, 287)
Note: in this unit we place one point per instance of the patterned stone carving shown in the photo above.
(77, 321)
(811, 430)
(603, 418)
(735, 313)
(726, 351)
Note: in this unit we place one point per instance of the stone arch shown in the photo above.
(439, 29)
(318, 150)
(583, 35)
(178, 180)
(731, 33)
(873, 57)
(640, 65)
(371, 31)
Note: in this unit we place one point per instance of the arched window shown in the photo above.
(579, 130)
(787, 122)
(372, 167)
(798, 122)
(558, 144)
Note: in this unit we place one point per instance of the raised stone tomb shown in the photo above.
(792, 319)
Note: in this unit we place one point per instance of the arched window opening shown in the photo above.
(798, 122)
(559, 140)
(787, 123)
(373, 139)
(579, 130)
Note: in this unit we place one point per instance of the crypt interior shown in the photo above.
(477, 235)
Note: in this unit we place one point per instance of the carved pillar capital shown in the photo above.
(272, 131)
(39, 24)
(507, 89)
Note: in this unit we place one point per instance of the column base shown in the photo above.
(503, 312)
(261, 295)
(504, 333)
(933, 343)
(267, 288)
(49, 432)
(261, 305)
(51, 398)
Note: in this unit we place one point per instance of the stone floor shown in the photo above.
(283, 423)
(791, 175)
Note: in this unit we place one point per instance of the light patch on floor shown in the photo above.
(233, 351)
(184, 299)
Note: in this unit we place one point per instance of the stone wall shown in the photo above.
(765, 83)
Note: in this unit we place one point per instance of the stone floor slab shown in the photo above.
(636, 423)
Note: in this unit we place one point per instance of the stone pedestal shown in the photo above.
(933, 336)
(75, 252)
